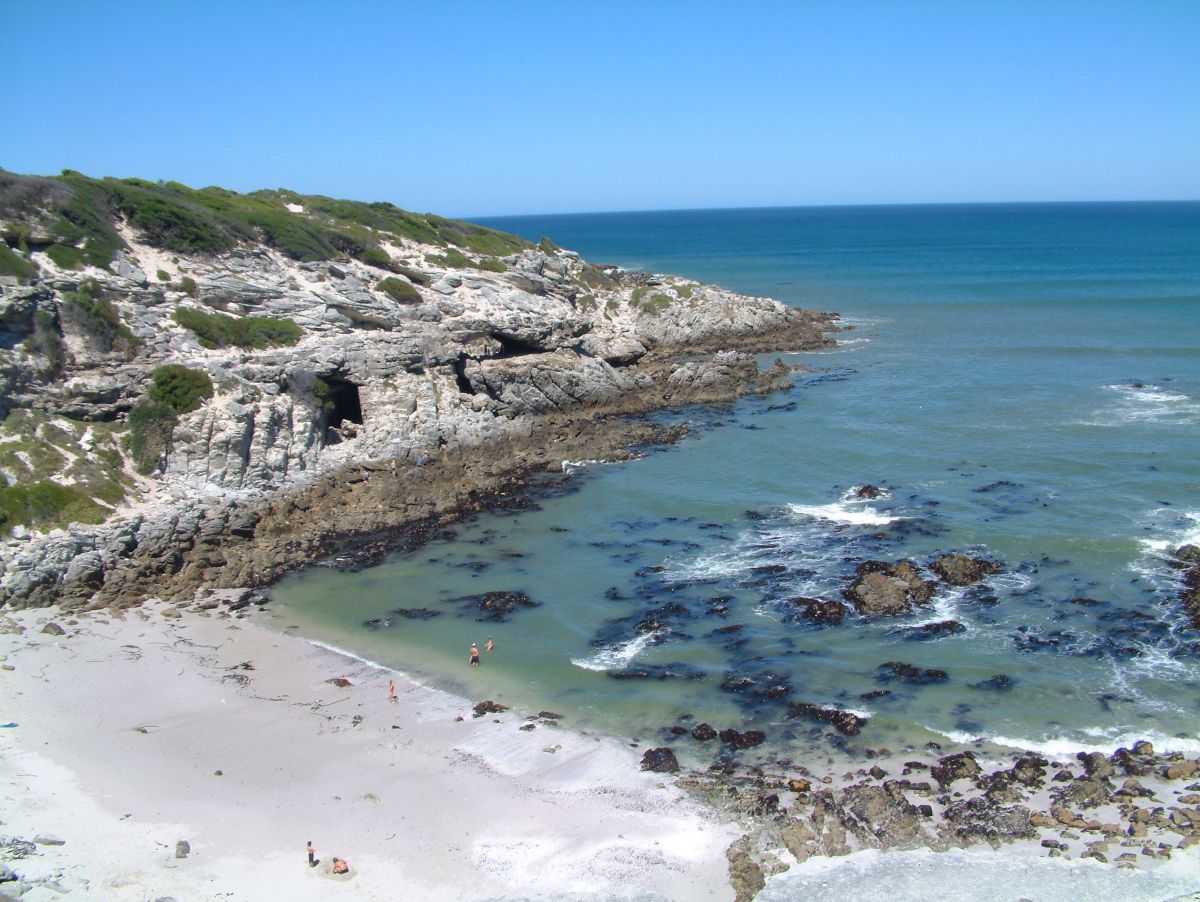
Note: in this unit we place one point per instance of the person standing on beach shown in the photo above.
(490, 644)
(391, 690)
(474, 655)
(312, 855)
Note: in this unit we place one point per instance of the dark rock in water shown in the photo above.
(725, 630)
(667, 671)
(887, 590)
(874, 694)
(497, 606)
(845, 722)
(755, 515)
(819, 611)
(745, 740)
(997, 683)
(934, 630)
(1084, 602)
(489, 707)
(549, 715)
(659, 619)
(677, 730)
(1188, 555)
(417, 613)
(718, 605)
(765, 686)
(867, 492)
(702, 732)
(1027, 641)
(660, 760)
(770, 569)
(378, 623)
(955, 767)
(907, 673)
(960, 570)
(979, 817)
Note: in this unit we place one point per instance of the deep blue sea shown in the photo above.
(1023, 381)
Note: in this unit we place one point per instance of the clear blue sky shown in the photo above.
(478, 108)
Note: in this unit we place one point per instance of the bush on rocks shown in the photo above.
(150, 430)
(180, 387)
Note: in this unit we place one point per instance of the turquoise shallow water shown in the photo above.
(1024, 382)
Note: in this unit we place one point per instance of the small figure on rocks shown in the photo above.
(392, 467)
(391, 690)
(474, 655)
(312, 855)
(340, 866)
(490, 644)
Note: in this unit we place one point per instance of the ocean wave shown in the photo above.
(851, 513)
(1140, 402)
(1099, 740)
(616, 657)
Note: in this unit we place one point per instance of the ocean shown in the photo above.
(1022, 382)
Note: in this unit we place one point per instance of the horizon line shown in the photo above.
(724, 209)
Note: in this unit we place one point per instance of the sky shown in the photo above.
(493, 108)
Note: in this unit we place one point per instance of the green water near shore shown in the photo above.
(1025, 384)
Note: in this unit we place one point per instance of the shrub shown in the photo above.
(452, 259)
(594, 277)
(181, 388)
(684, 291)
(65, 256)
(215, 330)
(491, 264)
(13, 264)
(547, 246)
(399, 290)
(47, 339)
(586, 303)
(375, 256)
(150, 429)
(100, 319)
(162, 275)
(46, 502)
(188, 285)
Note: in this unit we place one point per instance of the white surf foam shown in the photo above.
(616, 657)
(852, 513)
(1099, 740)
(1146, 403)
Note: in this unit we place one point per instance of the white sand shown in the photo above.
(421, 805)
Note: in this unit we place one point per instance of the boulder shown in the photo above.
(961, 766)
(960, 570)
(660, 760)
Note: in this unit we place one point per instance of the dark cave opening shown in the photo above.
(341, 403)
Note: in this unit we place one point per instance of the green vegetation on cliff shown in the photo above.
(180, 387)
(215, 330)
(54, 470)
(73, 218)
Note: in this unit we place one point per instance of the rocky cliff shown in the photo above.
(197, 385)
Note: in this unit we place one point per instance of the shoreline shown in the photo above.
(137, 731)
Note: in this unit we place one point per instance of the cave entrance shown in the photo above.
(341, 405)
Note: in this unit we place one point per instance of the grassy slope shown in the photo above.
(72, 216)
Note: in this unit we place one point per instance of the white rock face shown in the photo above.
(464, 357)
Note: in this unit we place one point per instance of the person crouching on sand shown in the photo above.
(340, 866)
(474, 655)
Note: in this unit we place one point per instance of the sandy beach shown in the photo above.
(136, 732)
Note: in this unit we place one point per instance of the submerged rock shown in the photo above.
(817, 610)
(936, 630)
(846, 722)
(702, 732)
(955, 767)
(907, 673)
(745, 740)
